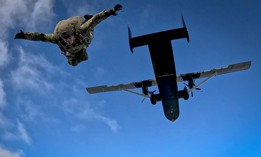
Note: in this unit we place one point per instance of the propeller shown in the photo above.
(191, 87)
(149, 94)
(143, 99)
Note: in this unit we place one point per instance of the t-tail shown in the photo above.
(172, 34)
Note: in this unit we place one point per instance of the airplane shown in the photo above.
(162, 58)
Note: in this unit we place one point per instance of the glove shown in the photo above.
(115, 9)
(20, 35)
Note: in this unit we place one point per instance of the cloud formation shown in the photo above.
(7, 153)
(42, 13)
(13, 132)
(33, 72)
(29, 111)
(36, 74)
(17, 13)
(2, 95)
(22, 133)
(81, 109)
(4, 57)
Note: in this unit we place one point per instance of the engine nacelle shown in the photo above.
(154, 98)
(183, 94)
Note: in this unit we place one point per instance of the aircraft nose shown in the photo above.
(172, 115)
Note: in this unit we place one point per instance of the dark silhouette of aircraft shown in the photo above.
(165, 72)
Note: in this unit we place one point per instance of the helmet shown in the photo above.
(65, 30)
(68, 27)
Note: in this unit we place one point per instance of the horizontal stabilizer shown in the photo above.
(172, 34)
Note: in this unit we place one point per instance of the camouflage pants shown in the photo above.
(78, 57)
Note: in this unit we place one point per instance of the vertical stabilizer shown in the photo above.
(130, 36)
(184, 25)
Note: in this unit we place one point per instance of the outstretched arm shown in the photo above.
(96, 19)
(35, 36)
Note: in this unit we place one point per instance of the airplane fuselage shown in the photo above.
(165, 72)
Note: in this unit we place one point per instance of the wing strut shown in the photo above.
(205, 80)
(130, 91)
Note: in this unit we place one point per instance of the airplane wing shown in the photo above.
(132, 85)
(214, 72)
(180, 78)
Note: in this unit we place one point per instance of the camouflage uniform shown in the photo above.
(82, 32)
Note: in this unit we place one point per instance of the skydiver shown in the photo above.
(72, 35)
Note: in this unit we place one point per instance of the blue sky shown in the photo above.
(45, 110)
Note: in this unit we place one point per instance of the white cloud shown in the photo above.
(4, 122)
(89, 113)
(31, 112)
(2, 95)
(16, 132)
(4, 57)
(7, 153)
(34, 72)
(9, 11)
(113, 124)
(42, 12)
(15, 12)
(22, 133)
(79, 108)
(37, 74)
(18, 13)
(85, 7)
